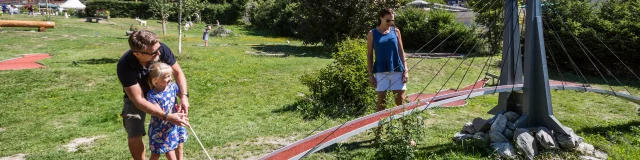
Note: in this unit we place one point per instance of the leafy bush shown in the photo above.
(276, 16)
(342, 88)
(394, 136)
(419, 26)
(120, 9)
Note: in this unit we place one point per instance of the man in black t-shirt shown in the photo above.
(133, 72)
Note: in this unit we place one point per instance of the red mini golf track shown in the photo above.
(27, 61)
(310, 142)
(337, 133)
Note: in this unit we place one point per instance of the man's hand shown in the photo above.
(184, 105)
(178, 119)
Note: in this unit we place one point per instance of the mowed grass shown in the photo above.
(235, 96)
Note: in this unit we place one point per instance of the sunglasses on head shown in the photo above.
(152, 53)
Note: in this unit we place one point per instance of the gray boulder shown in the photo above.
(480, 139)
(568, 141)
(508, 133)
(525, 142)
(481, 125)
(505, 150)
(497, 137)
(468, 127)
(543, 135)
(511, 126)
(512, 116)
(461, 137)
(499, 124)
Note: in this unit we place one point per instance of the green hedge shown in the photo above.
(418, 27)
(120, 9)
(226, 13)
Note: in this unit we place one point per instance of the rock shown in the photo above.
(503, 149)
(461, 137)
(497, 137)
(543, 135)
(481, 125)
(468, 127)
(512, 116)
(586, 149)
(588, 158)
(480, 139)
(568, 141)
(601, 155)
(526, 143)
(511, 126)
(499, 124)
(508, 133)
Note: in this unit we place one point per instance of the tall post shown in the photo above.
(537, 109)
(511, 72)
(180, 28)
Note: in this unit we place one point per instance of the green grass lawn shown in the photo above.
(235, 96)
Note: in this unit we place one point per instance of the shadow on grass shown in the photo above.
(99, 61)
(449, 148)
(349, 146)
(605, 130)
(290, 50)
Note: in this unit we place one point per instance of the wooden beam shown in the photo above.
(15, 23)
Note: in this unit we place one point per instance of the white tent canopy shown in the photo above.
(75, 4)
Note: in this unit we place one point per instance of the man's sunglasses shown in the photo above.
(152, 53)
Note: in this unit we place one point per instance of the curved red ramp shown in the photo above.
(298, 149)
(27, 61)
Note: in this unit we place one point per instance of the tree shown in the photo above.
(489, 13)
(163, 9)
(331, 21)
(191, 7)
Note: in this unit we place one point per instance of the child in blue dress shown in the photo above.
(164, 137)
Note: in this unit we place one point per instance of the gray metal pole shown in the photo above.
(511, 72)
(537, 109)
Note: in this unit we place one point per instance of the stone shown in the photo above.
(480, 139)
(543, 135)
(586, 149)
(508, 133)
(468, 127)
(499, 124)
(568, 141)
(481, 125)
(588, 158)
(512, 116)
(497, 137)
(511, 126)
(525, 142)
(600, 154)
(505, 150)
(461, 137)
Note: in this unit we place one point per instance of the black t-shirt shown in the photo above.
(131, 72)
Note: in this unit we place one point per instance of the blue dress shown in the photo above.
(164, 136)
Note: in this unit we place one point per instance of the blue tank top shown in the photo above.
(386, 52)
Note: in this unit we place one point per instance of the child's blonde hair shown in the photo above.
(157, 70)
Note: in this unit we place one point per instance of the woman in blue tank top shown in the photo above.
(389, 70)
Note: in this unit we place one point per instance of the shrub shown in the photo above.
(226, 13)
(616, 23)
(120, 9)
(342, 88)
(395, 136)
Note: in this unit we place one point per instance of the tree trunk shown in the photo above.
(164, 27)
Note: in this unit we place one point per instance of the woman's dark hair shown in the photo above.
(383, 12)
